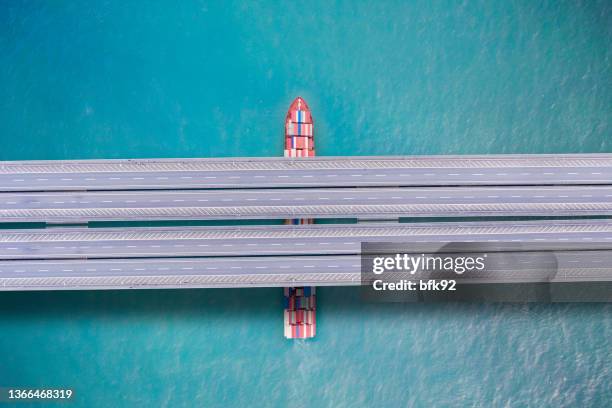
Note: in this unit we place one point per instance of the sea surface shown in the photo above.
(128, 79)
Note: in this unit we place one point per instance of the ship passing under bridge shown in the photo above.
(364, 188)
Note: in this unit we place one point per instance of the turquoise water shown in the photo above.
(198, 79)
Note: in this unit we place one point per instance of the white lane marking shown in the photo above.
(202, 200)
(42, 179)
(211, 268)
(453, 174)
(501, 174)
(90, 179)
(573, 174)
(493, 196)
(234, 177)
(139, 269)
(380, 175)
(260, 176)
(429, 174)
(251, 199)
(549, 174)
(563, 196)
(115, 178)
(420, 197)
(236, 267)
(115, 269)
(477, 174)
(356, 175)
(282, 176)
(323, 198)
(61, 202)
(11, 202)
(18, 180)
(66, 179)
(261, 267)
(107, 201)
(587, 195)
(227, 199)
(202, 245)
(130, 201)
(275, 199)
(347, 198)
(309, 266)
(596, 174)
(161, 178)
(308, 176)
(178, 201)
(211, 177)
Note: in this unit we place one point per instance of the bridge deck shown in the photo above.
(573, 266)
(71, 243)
(382, 202)
(312, 172)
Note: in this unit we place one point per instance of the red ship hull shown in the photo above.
(299, 130)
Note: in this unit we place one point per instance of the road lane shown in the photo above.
(573, 266)
(66, 243)
(306, 203)
(315, 172)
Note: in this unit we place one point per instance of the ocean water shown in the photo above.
(204, 79)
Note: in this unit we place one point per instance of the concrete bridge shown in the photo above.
(76, 192)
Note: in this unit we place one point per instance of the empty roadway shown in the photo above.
(65, 243)
(381, 202)
(311, 172)
(573, 266)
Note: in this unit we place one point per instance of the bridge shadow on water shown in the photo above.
(230, 303)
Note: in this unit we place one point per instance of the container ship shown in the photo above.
(300, 303)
